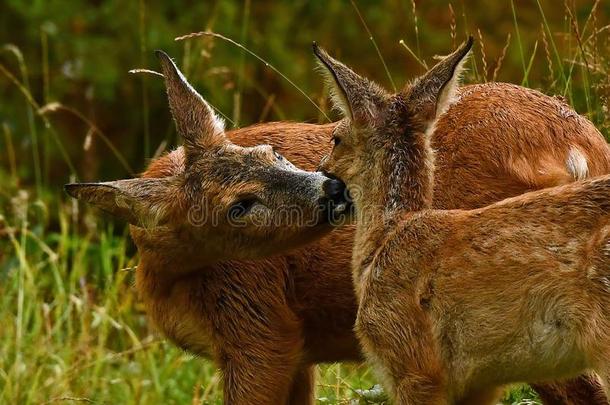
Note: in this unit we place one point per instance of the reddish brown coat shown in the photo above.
(453, 304)
(306, 298)
(267, 322)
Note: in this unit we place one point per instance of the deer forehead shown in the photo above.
(228, 177)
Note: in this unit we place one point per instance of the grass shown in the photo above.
(73, 330)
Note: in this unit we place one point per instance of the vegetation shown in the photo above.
(72, 327)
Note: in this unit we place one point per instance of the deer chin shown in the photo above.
(342, 214)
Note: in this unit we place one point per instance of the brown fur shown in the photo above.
(266, 322)
(454, 304)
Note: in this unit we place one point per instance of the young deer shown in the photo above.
(453, 304)
(267, 322)
(217, 199)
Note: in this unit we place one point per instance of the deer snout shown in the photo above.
(336, 201)
(334, 190)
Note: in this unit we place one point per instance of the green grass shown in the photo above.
(73, 329)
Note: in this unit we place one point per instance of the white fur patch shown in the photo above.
(338, 99)
(449, 95)
(576, 163)
(217, 122)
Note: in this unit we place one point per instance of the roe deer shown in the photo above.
(267, 322)
(454, 304)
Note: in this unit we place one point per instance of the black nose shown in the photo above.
(337, 203)
(334, 190)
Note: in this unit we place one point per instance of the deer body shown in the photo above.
(454, 304)
(462, 301)
(266, 322)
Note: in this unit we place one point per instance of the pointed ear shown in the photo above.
(141, 202)
(431, 94)
(358, 98)
(195, 119)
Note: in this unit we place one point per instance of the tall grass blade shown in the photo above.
(267, 64)
(553, 45)
(518, 33)
(241, 66)
(28, 96)
(421, 62)
(53, 107)
(529, 65)
(372, 39)
(25, 84)
(144, 94)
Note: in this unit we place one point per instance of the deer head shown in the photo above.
(217, 201)
(388, 133)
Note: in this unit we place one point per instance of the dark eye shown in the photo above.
(278, 156)
(337, 140)
(241, 207)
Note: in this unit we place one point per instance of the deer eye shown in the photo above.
(241, 207)
(336, 140)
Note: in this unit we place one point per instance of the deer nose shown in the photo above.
(336, 202)
(334, 190)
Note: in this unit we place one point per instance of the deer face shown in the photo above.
(378, 125)
(217, 200)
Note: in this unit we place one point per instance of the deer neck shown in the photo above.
(165, 259)
(156, 276)
(398, 180)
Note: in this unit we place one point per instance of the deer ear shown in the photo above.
(431, 94)
(195, 119)
(358, 98)
(141, 202)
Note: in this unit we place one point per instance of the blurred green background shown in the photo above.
(79, 53)
(72, 327)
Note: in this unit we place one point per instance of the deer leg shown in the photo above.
(302, 390)
(260, 359)
(488, 396)
(420, 389)
(263, 375)
(258, 337)
(583, 390)
(398, 341)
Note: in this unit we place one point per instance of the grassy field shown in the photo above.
(73, 329)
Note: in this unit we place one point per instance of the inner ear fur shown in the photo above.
(431, 94)
(356, 97)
